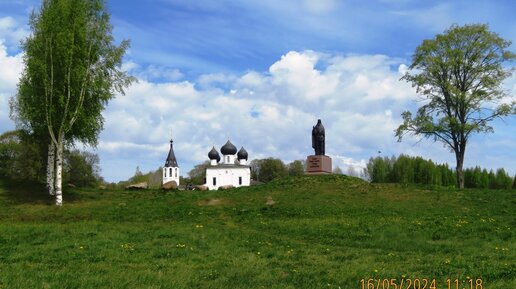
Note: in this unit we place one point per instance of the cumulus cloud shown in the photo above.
(297, 74)
(270, 113)
(11, 32)
(358, 97)
(12, 67)
(9, 74)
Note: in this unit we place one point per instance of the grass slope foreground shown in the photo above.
(298, 232)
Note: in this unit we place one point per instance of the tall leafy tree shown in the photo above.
(197, 175)
(271, 169)
(72, 69)
(296, 168)
(459, 75)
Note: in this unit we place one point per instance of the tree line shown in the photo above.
(22, 159)
(416, 170)
(262, 170)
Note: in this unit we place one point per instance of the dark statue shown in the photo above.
(318, 138)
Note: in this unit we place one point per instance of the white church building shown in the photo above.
(171, 169)
(229, 172)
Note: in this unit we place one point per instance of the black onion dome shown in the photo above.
(228, 149)
(214, 154)
(242, 154)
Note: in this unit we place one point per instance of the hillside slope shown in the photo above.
(321, 232)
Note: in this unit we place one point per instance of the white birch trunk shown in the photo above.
(51, 165)
(59, 171)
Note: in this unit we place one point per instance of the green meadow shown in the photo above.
(321, 232)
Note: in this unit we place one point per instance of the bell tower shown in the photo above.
(171, 169)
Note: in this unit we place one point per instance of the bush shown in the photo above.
(271, 169)
(20, 157)
(197, 175)
(81, 168)
(296, 168)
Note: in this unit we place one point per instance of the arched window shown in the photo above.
(176, 171)
(214, 181)
(240, 180)
(170, 172)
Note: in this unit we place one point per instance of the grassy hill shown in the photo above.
(322, 232)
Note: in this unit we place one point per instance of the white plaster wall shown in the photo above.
(228, 159)
(171, 176)
(227, 176)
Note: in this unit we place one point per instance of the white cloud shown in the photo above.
(320, 6)
(11, 68)
(349, 165)
(271, 114)
(11, 32)
(358, 97)
(296, 73)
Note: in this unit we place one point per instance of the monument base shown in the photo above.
(318, 164)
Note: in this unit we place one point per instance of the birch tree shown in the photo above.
(459, 75)
(72, 69)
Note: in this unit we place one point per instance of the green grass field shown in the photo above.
(323, 232)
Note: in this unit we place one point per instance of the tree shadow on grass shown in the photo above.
(18, 192)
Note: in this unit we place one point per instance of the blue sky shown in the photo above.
(263, 72)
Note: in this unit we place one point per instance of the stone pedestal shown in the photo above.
(318, 164)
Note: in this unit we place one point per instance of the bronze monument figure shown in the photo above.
(318, 136)
(319, 163)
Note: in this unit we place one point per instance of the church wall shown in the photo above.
(228, 176)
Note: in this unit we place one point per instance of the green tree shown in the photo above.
(81, 168)
(271, 169)
(72, 69)
(379, 170)
(484, 179)
(403, 170)
(296, 168)
(19, 157)
(503, 180)
(459, 75)
(492, 179)
(197, 175)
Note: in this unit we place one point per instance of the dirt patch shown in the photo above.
(213, 202)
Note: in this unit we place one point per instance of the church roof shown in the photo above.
(227, 166)
(228, 149)
(242, 154)
(214, 155)
(171, 158)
